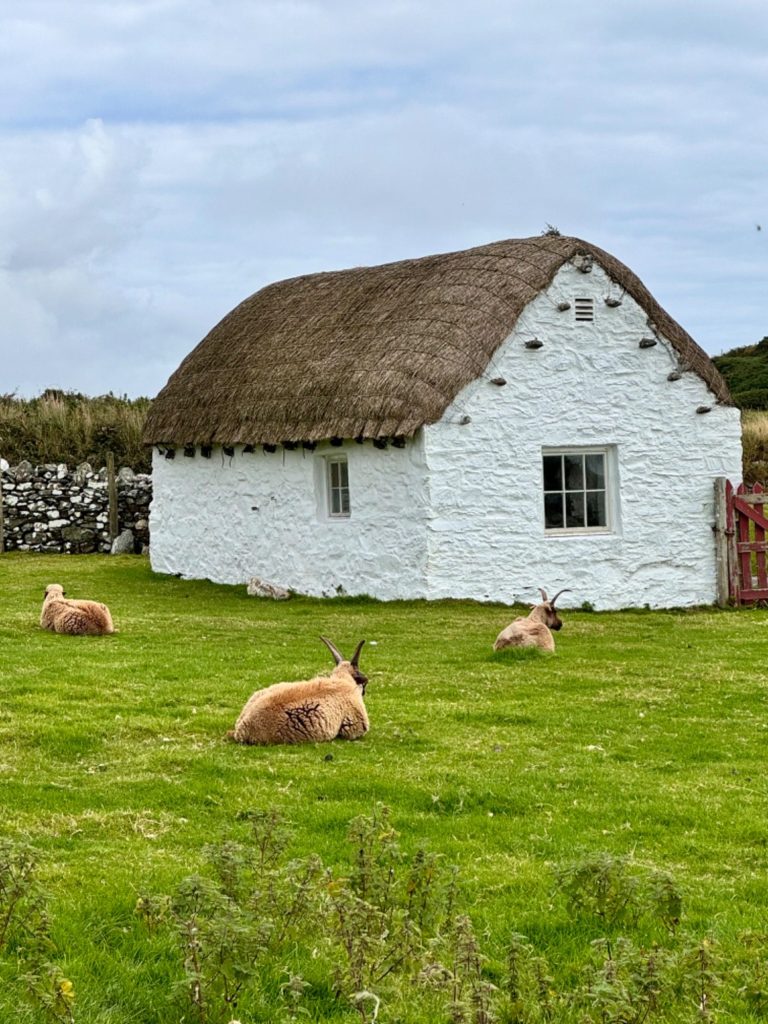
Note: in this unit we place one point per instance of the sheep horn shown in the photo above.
(565, 590)
(356, 655)
(543, 593)
(337, 656)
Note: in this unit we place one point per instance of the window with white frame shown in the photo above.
(576, 490)
(337, 486)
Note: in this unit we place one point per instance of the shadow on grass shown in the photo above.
(518, 654)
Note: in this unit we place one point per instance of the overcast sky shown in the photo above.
(160, 160)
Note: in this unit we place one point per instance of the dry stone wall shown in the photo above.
(60, 510)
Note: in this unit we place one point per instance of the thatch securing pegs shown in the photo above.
(398, 441)
(248, 448)
(228, 450)
(337, 442)
(309, 445)
(701, 409)
(380, 442)
(289, 445)
(498, 381)
(534, 343)
(647, 342)
(269, 448)
(189, 451)
(205, 450)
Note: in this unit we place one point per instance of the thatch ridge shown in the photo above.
(374, 351)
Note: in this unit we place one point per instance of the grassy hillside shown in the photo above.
(755, 442)
(603, 807)
(61, 426)
(746, 373)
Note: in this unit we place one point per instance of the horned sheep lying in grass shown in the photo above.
(77, 618)
(533, 630)
(314, 711)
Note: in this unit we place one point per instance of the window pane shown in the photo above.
(553, 511)
(596, 509)
(553, 473)
(574, 471)
(574, 508)
(595, 470)
(338, 487)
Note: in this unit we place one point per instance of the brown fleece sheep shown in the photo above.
(77, 618)
(533, 630)
(320, 709)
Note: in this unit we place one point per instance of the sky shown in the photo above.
(161, 160)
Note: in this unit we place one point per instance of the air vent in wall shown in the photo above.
(584, 310)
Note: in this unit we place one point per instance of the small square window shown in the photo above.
(576, 490)
(337, 486)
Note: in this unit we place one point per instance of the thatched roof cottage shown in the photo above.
(474, 424)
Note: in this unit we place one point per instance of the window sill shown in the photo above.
(580, 531)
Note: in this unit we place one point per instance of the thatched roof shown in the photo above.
(373, 351)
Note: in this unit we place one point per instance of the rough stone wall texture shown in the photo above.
(459, 511)
(229, 518)
(60, 510)
(590, 384)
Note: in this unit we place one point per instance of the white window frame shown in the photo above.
(608, 453)
(331, 488)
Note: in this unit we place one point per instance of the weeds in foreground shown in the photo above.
(382, 939)
(617, 891)
(26, 936)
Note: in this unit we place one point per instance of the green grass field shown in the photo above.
(644, 737)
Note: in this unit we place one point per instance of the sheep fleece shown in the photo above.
(525, 633)
(308, 712)
(77, 618)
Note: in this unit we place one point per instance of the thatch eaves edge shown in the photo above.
(374, 351)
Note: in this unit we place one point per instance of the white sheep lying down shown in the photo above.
(533, 630)
(77, 618)
(314, 711)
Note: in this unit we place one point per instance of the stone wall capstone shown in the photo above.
(60, 510)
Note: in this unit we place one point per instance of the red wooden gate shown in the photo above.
(747, 532)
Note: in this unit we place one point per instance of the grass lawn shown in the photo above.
(643, 737)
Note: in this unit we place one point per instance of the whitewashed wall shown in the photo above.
(259, 514)
(459, 511)
(590, 384)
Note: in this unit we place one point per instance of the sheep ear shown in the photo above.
(356, 655)
(543, 593)
(566, 590)
(337, 656)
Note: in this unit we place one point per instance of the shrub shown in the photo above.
(61, 426)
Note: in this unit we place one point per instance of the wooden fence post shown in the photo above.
(2, 525)
(734, 580)
(114, 526)
(721, 542)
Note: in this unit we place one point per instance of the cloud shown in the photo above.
(163, 159)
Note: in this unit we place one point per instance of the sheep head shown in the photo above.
(546, 612)
(54, 590)
(350, 666)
